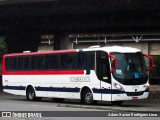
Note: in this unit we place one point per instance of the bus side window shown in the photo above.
(71, 61)
(37, 62)
(90, 60)
(81, 61)
(34, 62)
(23, 63)
(63, 61)
(11, 63)
(41, 62)
(51, 62)
(56, 62)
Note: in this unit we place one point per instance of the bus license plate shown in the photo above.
(134, 98)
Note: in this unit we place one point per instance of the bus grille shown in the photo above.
(134, 93)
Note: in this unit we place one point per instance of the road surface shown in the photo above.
(70, 108)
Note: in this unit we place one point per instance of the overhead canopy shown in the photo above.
(80, 15)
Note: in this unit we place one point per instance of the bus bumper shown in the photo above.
(122, 97)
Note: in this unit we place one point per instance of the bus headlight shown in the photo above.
(118, 86)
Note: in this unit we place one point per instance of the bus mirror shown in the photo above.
(148, 61)
(113, 61)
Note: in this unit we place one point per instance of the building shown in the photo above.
(65, 24)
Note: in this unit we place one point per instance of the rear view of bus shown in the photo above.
(130, 79)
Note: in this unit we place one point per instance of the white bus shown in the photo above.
(93, 74)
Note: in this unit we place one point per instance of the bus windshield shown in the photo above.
(130, 69)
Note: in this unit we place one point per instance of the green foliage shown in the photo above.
(3, 47)
(155, 72)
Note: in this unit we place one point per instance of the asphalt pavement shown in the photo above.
(10, 102)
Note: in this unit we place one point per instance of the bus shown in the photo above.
(112, 73)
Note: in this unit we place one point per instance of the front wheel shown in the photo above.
(87, 97)
(31, 96)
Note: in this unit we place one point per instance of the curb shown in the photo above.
(113, 108)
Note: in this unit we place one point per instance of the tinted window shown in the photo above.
(52, 62)
(34, 63)
(85, 60)
(41, 62)
(103, 67)
(71, 61)
(37, 62)
(81, 61)
(130, 69)
(23, 63)
(63, 61)
(90, 60)
(11, 63)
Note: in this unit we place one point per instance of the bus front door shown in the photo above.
(103, 74)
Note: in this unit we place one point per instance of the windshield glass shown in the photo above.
(131, 69)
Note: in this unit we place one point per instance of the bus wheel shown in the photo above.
(117, 103)
(87, 97)
(31, 96)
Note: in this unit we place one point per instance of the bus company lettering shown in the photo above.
(80, 79)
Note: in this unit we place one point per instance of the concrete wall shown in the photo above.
(154, 48)
(45, 47)
(65, 43)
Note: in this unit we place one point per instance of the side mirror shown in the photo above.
(114, 63)
(149, 62)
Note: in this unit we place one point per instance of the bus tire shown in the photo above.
(87, 97)
(117, 103)
(31, 96)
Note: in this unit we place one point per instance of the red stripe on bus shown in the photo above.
(58, 72)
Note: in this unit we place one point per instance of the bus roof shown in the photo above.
(122, 49)
(108, 49)
(40, 52)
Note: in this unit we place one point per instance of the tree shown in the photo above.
(3, 49)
